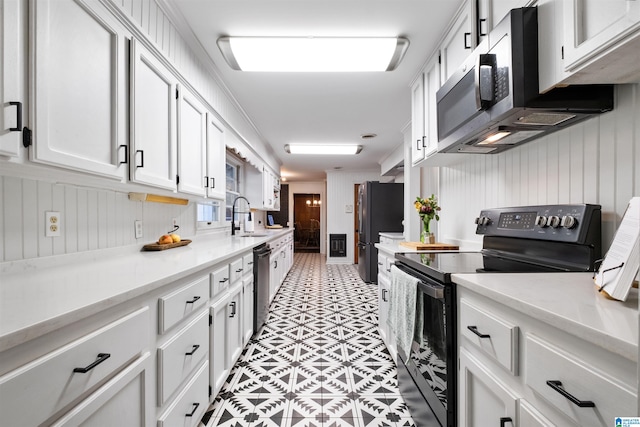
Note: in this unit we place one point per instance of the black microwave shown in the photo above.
(492, 102)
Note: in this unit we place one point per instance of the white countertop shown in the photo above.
(567, 301)
(41, 295)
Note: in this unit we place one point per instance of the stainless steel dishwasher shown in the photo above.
(261, 269)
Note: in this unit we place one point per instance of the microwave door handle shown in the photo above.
(484, 83)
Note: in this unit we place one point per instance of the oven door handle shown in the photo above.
(436, 292)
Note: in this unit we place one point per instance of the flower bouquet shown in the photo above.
(427, 209)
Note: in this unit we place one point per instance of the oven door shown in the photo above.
(428, 373)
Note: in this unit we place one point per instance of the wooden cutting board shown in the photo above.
(430, 246)
(158, 247)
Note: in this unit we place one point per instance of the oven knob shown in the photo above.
(568, 221)
(482, 220)
(554, 221)
(541, 221)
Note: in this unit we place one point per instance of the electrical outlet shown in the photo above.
(138, 229)
(52, 224)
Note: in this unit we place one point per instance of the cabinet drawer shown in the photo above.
(179, 356)
(576, 378)
(32, 393)
(494, 336)
(188, 408)
(247, 264)
(219, 280)
(382, 265)
(235, 272)
(177, 305)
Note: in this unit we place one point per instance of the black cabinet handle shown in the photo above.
(195, 407)
(384, 295)
(418, 145)
(126, 154)
(193, 350)
(557, 386)
(474, 329)
(101, 358)
(504, 420)
(196, 298)
(233, 309)
(224, 280)
(480, 32)
(467, 40)
(213, 180)
(239, 270)
(18, 127)
(423, 139)
(141, 165)
(206, 182)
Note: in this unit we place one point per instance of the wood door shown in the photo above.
(356, 221)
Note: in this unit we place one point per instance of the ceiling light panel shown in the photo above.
(313, 54)
(323, 149)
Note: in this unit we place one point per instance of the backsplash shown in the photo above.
(591, 162)
(90, 219)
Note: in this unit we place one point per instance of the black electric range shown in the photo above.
(526, 239)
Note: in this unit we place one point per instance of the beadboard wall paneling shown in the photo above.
(593, 162)
(340, 192)
(90, 219)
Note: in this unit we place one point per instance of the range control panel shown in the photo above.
(565, 223)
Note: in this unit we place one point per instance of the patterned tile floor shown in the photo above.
(318, 361)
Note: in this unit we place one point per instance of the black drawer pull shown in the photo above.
(474, 329)
(195, 408)
(18, 127)
(504, 420)
(557, 386)
(196, 298)
(384, 295)
(101, 358)
(193, 350)
(239, 270)
(224, 280)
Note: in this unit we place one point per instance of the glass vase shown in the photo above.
(425, 234)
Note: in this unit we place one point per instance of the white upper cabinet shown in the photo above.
(11, 81)
(459, 42)
(79, 87)
(432, 83)
(550, 52)
(417, 120)
(601, 40)
(153, 120)
(192, 144)
(216, 159)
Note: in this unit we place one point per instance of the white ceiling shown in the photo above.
(323, 108)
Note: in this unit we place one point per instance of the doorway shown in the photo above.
(306, 218)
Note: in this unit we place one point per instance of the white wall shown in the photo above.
(340, 193)
(592, 162)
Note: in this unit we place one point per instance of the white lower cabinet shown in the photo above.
(120, 402)
(520, 369)
(247, 308)
(483, 399)
(59, 378)
(189, 407)
(384, 302)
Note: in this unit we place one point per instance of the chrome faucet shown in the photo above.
(233, 214)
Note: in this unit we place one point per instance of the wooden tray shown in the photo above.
(158, 247)
(430, 246)
(277, 226)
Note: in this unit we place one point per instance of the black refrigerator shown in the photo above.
(380, 210)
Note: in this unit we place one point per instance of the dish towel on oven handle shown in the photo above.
(404, 308)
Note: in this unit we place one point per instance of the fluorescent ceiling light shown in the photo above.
(313, 54)
(323, 149)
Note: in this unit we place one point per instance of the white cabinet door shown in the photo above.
(192, 143)
(79, 75)
(458, 43)
(153, 120)
(490, 12)
(594, 27)
(235, 333)
(267, 188)
(13, 56)
(247, 308)
(216, 159)
(219, 364)
(550, 35)
(432, 83)
(417, 120)
(484, 400)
